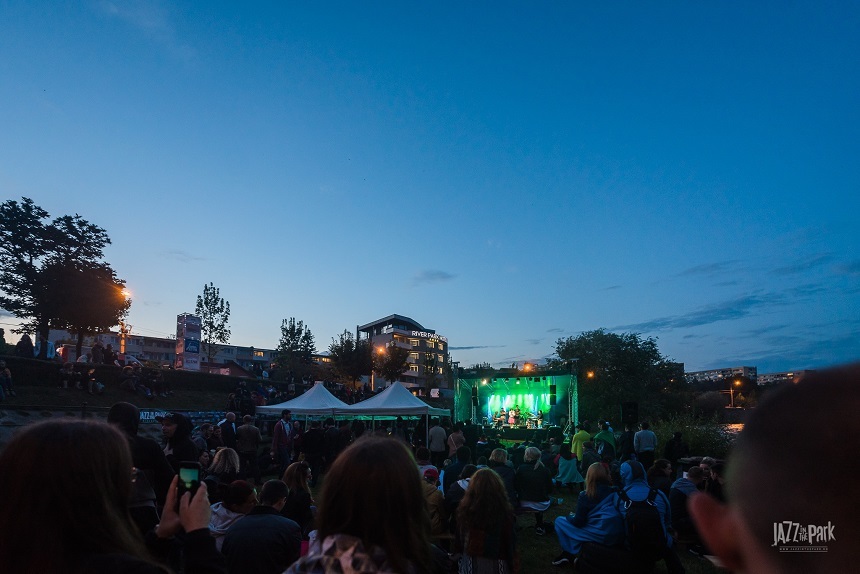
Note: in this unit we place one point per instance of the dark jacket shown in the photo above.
(452, 474)
(198, 550)
(507, 474)
(180, 447)
(263, 542)
(533, 484)
(298, 509)
(228, 435)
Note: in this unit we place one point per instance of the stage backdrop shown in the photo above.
(531, 394)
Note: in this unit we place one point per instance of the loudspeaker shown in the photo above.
(552, 400)
(475, 401)
(552, 397)
(553, 432)
(629, 413)
(553, 389)
(474, 392)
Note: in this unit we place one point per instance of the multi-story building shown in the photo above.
(428, 351)
(784, 377)
(715, 375)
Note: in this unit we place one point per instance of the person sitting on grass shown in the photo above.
(568, 475)
(660, 475)
(534, 484)
(596, 519)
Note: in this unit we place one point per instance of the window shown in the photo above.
(413, 368)
(441, 358)
(258, 354)
(413, 356)
(440, 370)
(441, 346)
(431, 344)
(414, 342)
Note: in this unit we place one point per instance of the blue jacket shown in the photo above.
(636, 487)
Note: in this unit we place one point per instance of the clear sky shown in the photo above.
(506, 173)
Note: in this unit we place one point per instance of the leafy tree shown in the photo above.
(214, 312)
(350, 358)
(98, 300)
(391, 363)
(613, 368)
(295, 349)
(31, 250)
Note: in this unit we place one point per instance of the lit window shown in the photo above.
(431, 344)
(413, 356)
(413, 368)
(414, 342)
(441, 346)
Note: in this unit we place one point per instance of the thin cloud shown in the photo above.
(153, 20)
(181, 256)
(852, 269)
(611, 288)
(555, 330)
(806, 265)
(431, 276)
(534, 341)
(710, 269)
(725, 311)
(473, 347)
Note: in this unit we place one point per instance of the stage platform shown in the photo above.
(520, 434)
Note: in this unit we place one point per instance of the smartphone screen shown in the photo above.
(189, 477)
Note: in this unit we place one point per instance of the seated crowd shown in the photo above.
(118, 504)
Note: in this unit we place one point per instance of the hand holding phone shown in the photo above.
(189, 478)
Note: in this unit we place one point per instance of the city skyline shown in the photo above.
(503, 174)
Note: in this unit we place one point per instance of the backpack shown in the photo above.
(643, 528)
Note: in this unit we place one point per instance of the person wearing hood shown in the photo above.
(636, 489)
(178, 447)
(240, 498)
(154, 473)
(435, 504)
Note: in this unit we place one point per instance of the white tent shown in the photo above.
(393, 401)
(317, 401)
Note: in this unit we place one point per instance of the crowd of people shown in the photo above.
(114, 500)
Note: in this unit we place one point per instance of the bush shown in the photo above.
(704, 435)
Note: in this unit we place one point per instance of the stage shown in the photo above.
(535, 395)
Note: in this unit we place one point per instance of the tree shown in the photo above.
(295, 349)
(391, 362)
(99, 302)
(31, 251)
(613, 368)
(214, 312)
(350, 358)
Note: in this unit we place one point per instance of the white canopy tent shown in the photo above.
(396, 400)
(317, 401)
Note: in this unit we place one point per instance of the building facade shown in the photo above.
(428, 351)
(784, 377)
(716, 375)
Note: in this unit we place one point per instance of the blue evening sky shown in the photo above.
(506, 173)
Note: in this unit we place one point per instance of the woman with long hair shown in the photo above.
(596, 519)
(371, 513)
(486, 527)
(225, 465)
(78, 520)
(299, 506)
(660, 475)
(534, 484)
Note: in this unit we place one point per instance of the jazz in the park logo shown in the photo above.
(795, 537)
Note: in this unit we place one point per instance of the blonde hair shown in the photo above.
(499, 455)
(225, 460)
(532, 454)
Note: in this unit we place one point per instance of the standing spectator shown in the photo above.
(568, 474)
(282, 441)
(24, 347)
(589, 455)
(248, 439)
(314, 448)
(154, 473)
(98, 353)
(626, 450)
(676, 449)
(300, 505)
(263, 542)
(604, 441)
(228, 430)
(645, 443)
(422, 457)
(215, 441)
(486, 527)
(438, 444)
(201, 436)
(578, 440)
(456, 440)
(178, 447)
(6, 381)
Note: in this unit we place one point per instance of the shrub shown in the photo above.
(704, 435)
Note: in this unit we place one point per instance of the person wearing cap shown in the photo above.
(178, 446)
(435, 503)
